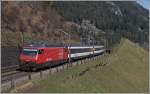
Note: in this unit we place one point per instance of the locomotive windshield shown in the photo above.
(30, 52)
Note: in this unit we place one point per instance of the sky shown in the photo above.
(144, 3)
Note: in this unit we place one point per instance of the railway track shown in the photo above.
(9, 68)
(7, 76)
(8, 73)
(13, 75)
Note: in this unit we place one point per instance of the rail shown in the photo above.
(13, 66)
(8, 69)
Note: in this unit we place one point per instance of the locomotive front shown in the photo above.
(28, 57)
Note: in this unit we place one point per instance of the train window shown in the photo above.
(30, 53)
(80, 50)
(41, 51)
(96, 49)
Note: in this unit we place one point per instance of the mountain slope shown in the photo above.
(36, 21)
(126, 18)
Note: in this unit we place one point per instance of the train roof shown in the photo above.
(61, 46)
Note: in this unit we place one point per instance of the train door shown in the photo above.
(65, 53)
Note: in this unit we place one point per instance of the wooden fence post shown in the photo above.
(56, 69)
(77, 63)
(41, 74)
(63, 67)
(12, 83)
(29, 76)
(70, 64)
(50, 71)
(67, 65)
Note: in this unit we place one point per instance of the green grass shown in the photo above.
(127, 71)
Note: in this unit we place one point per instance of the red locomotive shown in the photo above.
(38, 57)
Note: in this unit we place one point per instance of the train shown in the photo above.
(35, 57)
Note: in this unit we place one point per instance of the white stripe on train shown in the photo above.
(78, 47)
(85, 53)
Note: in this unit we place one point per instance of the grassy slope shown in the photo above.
(127, 72)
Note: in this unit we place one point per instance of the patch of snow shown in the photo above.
(114, 8)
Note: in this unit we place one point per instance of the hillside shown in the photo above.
(33, 23)
(126, 19)
(46, 20)
(126, 71)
